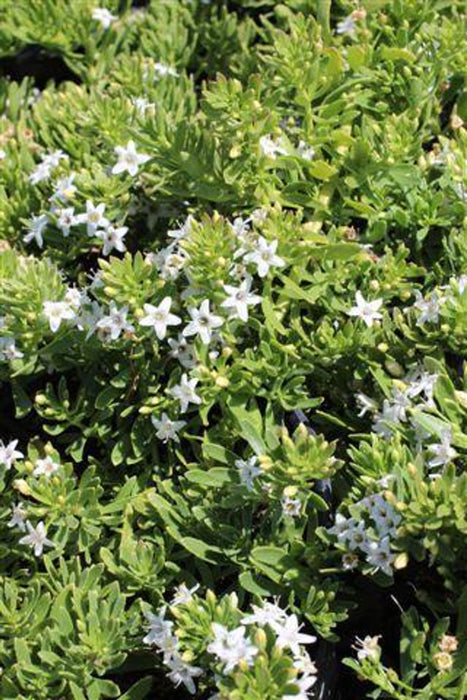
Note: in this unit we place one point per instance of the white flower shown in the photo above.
(379, 555)
(159, 317)
(349, 561)
(66, 219)
(368, 311)
(36, 229)
(185, 392)
(303, 684)
(442, 452)
(182, 351)
(54, 158)
(2, 154)
(9, 454)
(128, 159)
(341, 525)
(163, 70)
(305, 151)
(8, 350)
(271, 148)
(115, 322)
(289, 635)
(366, 404)
(64, 189)
(45, 467)
(240, 299)
(461, 284)
(167, 429)
(56, 312)
(429, 308)
(203, 322)
(231, 647)
(291, 506)
(18, 517)
(159, 627)
(41, 172)
(368, 648)
(183, 594)
(421, 382)
(75, 298)
(182, 672)
(356, 535)
(265, 614)
(37, 538)
(94, 218)
(248, 471)
(347, 26)
(112, 238)
(264, 257)
(142, 105)
(103, 16)
(179, 234)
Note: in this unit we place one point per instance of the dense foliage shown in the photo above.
(233, 313)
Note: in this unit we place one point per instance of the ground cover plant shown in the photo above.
(233, 313)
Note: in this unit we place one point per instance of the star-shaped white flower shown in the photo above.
(239, 299)
(103, 16)
(264, 256)
(368, 311)
(35, 229)
(56, 312)
(112, 237)
(36, 538)
(442, 452)
(94, 218)
(248, 471)
(203, 322)
(66, 219)
(128, 159)
(159, 317)
(45, 467)
(167, 429)
(18, 517)
(185, 392)
(9, 454)
(115, 322)
(289, 635)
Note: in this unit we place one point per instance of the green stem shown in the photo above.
(323, 15)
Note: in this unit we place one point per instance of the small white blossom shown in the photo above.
(304, 684)
(159, 317)
(103, 16)
(35, 230)
(305, 151)
(45, 467)
(167, 429)
(56, 312)
(264, 256)
(265, 614)
(202, 322)
(115, 322)
(289, 635)
(142, 105)
(8, 350)
(231, 647)
(347, 26)
(112, 237)
(379, 555)
(18, 517)
(368, 311)
(36, 538)
(368, 648)
(442, 452)
(240, 299)
(185, 392)
(182, 672)
(162, 69)
(429, 308)
(248, 471)
(182, 351)
(9, 454)
(291, 506)
(183, 594)
(128, 159)
(66, 219)
(159, 627)
(271, 148)
(64, 189)
(94, 218)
